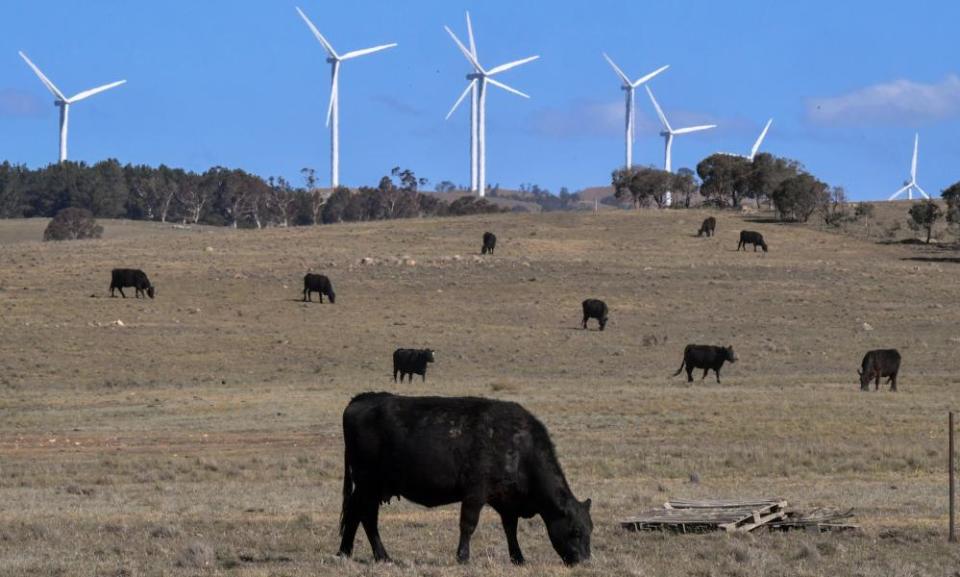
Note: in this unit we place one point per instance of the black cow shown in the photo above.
(318, 283)
(438, 451)
(751, 237)
(705, 357)
(489, 243)
(410, 361)
(708, 226)
(127, 277)
(595, 309)
(879, 363)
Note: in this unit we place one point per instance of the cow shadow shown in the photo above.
(950, 259)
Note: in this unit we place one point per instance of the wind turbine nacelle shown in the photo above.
(331, 59)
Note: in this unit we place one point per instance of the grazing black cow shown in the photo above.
(318, 283)
(127, 277)
(751, 237)
(438, 451)
(879, 363)
(709, 225)
(489, 243)
(595, 309)
(410, 361)
(705, 357)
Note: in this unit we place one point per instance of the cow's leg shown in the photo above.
(395, 371)
(469, 517)
(689, 374)
(371, 511)
(510, 528)
(876, 384)
(348, 529)
(306, 296)
(706, 371)
(717, 373)
(112, 294)
(121, 292)
(893, 382)
(585, 317)
(423, 376)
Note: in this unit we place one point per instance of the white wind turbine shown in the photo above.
(756, 145)
(668, 133)
(333, 110)
(630, 87)
(910, 186)
(64, 103)
(478, 85)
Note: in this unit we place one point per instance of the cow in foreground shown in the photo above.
(489, 243)
(595, 309)
(751, 237)
(879, 363)
(131, 277)
(410, 362)
(320, 284)
(708, 227)
(438, 451)
(706, 357)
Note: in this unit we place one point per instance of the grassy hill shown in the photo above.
(202, 435)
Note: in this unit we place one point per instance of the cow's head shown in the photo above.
(570, 532)
(151, 291)
(332, 295)
(864, 380)
(430, 355)
(731, 354)
(763, 245)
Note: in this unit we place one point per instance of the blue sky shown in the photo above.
(243, 83)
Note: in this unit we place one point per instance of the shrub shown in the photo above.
(923, 216)
(72, 224)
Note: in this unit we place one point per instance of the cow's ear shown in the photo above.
(587, 504)
(859, 372)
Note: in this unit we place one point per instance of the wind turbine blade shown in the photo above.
(509, 65)
(365, 51)
(88, 93)
(913, 167)
(473, 44)
(690, 129)
(663, 117)
(923, 192)
(46, 81)
(756, 145)
(616, 69)
(899, 192)
(466, 52)
(507, 88)
(644, 79)
(326, 45)
(333, 90)
(470, 86)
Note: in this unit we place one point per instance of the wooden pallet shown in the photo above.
(683, 516)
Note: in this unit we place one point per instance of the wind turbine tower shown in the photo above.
(912, 184)
(629, 87)
(64, 103)
(333, 110)
(478, 80)
(668, 133)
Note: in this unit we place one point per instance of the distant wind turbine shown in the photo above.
(912, 184)
(668, 133)
(333, 110)
(478, 85)
(756, 145)
(630, 87)
(64, 103)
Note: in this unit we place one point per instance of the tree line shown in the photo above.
(219, 196)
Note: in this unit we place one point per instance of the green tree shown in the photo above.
(724, 177)
(799, 196)
(923, 216)
(643, 184)
(952, 195)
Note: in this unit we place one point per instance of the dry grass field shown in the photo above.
(202, 437)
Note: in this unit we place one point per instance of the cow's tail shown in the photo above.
(682, 364)
(348, 488)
